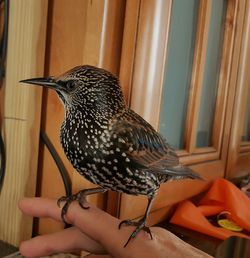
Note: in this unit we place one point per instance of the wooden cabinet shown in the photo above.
(182, 66)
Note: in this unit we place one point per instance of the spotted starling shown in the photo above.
(108, 143)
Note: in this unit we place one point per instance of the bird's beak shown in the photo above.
(48, 82)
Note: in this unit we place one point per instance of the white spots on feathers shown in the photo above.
(131, 149)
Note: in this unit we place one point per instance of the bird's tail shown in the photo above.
(181, 171)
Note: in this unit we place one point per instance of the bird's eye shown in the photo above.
(71, 85)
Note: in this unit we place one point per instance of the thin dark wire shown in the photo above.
(3, 161)
(3, 51)
(63, 171)
(4, 40)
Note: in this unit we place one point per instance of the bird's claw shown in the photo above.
(62, 199)
(140, 225)
(80, 197)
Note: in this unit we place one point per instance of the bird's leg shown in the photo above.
(141, 224)
(80, 197)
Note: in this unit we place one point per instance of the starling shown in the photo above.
(108, 143)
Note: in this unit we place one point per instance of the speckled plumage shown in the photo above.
(108, 143)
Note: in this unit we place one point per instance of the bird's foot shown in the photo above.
(67, 200)
(140, 225)
(80, 197)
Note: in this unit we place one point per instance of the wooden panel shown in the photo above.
(22, 106)
(239, 163)
(198, 73)
(129, 46)
(233, 20)
(238, 12)
(86, 32)
(149, 59)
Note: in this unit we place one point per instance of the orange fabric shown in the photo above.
(222, 196)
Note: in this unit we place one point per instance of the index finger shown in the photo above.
(40, 207)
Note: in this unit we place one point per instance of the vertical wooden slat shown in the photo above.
(22, 106)
(129, 46)
(112, 35)
(237, 23)
(225, 71)
(238, 164)
(103, 47)
(151, 46)
(198, 73)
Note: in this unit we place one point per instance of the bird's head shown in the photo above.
(85, 87)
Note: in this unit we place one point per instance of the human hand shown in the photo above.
(97, 232)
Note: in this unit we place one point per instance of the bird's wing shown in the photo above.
(144, 146)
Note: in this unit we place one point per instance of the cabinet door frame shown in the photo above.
(238, 161)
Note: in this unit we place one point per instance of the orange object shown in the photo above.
(222, 196)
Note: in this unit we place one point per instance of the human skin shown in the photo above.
(97, 232)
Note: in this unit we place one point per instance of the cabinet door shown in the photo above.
(239, 145)
(183, 71)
